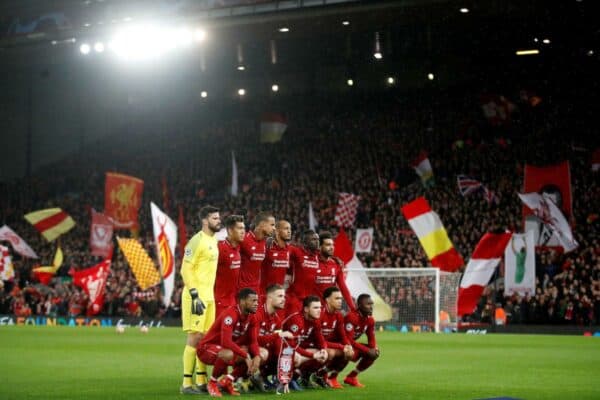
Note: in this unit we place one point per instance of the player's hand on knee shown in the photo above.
(255, 364)
(348, 352)
(198, 306)
(373, 354)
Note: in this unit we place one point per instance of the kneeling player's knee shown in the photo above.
(264, 354)
(226, 355)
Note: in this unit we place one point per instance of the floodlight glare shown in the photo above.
(85, 48)
(99, 47)
(275, 88)
(241, 92)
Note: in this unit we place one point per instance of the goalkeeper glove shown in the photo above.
(197, 304)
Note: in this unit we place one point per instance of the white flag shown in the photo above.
(165, 238)
(17, 243)
(7, 271)
(312, 220)
(363, 241)
(519, 265)
(234, 175)
(550, 217)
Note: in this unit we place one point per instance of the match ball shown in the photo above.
(144, 329)
(120, 329)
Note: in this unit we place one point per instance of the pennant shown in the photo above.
(45, 273)
(519, 265)
(422, 167)
(165, 238)
(480, 269)
(122, 199)
(7, 271)
(364, 240)
(93, 282)
(432, 235)
(17, 243)
(272, 127)
(182, 232)
(552, 223)
(51, 223)
(312, 220)
(140, 262)
(101, 232)
(356, 279)
(345, 213)
(234, 175)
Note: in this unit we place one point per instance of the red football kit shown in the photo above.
(330, 273)
(307, 331)
(303, 265)
(355, 325)
(332, 326)
(228, 270)
(275, 266)
(252, 251)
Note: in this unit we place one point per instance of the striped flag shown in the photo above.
(467, 185)
(432, 235)
(272, 127)
(345, 214)
(480, 269)
(51, 223)
(17, 242)
(45, 273)
(140, 262)
(422, 167)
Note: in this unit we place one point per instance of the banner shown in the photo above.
(165, 239)
(519, 265)
(7, 271)
(122, 199)
(345, 213)
(17, 243)
(51, 222)
(101, 232)
(554, 180)
(140, 262)
(363, 241)
(93, 282)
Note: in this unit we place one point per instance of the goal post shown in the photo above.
(424, 298)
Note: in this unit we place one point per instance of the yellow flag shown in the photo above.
(140, 262)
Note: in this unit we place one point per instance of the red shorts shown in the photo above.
(358, 354)
(209, 353)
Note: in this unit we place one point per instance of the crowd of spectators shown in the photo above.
(362, 145)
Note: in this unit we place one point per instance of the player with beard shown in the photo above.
(232, 341)
(304, 262)
(228, 268)
(253, 250)
(277, 260)
(198, 270)
(356, 323)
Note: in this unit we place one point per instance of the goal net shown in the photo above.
(420, 299)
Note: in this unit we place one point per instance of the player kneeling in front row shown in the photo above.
(232, 341)
(356, 323)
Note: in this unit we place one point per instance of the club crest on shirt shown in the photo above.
(294, 328)
(349, 326)
(228, 320)
(188, 252)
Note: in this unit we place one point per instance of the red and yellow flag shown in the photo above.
(122, 199)
(45, 273)
(51, 223)
(142, 266)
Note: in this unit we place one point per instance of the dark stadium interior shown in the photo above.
(67, 118)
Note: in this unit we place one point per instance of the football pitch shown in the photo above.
(97, 363)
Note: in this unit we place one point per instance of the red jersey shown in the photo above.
(252, 251)
(304, 265)
(231, 329)
(307, 331)
(228, 271)
(274, 266)
(267, 324)
(330, 273)
(355, 325)
(332, 326)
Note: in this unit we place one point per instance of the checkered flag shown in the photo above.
(140, 262)
(345, 214)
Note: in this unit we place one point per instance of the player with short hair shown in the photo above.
(198, 270)
(304, 263)
(232, 341)
(356, 323)
(331, 270)
(276, 264)
(253, 249)
(228, 267)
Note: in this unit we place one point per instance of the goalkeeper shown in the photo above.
(198, 271)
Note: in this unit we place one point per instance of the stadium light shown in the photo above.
(377, 53)
(242, 92)
(85, 48)
(350, 82)
(203, 94)
(284, 29)
(590, 53)
(200, 35)
(391, 80)
(464, 10)
(241, 68)
(527, 52)
(345, 23)
(430, 76)
(275, 88)
(546, 41)
(99, 47)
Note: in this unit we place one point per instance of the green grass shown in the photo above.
(97, 363)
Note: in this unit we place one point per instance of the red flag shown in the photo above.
(122, 199)
(101, 233)
(93, 282)
(554, 180)
(182, 233)
(342, 247)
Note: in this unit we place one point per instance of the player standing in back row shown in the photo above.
(253, 249)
